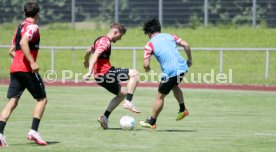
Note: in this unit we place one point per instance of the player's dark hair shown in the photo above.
(31, 8)
(152, 26)
(118, 26)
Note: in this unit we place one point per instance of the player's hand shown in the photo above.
(86, 64)
(189, 63)
(87, 76)
(147, 69)
(34, 67)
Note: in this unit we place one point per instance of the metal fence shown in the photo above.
(135, 49)
(135, 12)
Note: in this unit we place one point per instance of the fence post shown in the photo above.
(116, 15)
(205, 13)
(53, 59)
(254, 7)
(73, 15)
(221, 60)
(267, 64)
(160, 8)
(134, 58)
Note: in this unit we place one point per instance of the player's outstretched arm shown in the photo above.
(87, 57)
(92, 61)
(147, 64)
(188, 52)
(12, 51)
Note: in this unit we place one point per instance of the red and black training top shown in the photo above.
(20, 62)
(103, 46)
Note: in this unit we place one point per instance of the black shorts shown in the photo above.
(21, 80)
(111, 80)
(166, 85)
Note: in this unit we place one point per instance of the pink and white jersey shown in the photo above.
(164, 47)
(149, 49)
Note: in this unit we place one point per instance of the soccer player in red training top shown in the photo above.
(164, 48)
(24, 73)
(109, 77)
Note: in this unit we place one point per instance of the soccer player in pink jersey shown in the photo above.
(24, 73)
(108, 76)
(164, 47)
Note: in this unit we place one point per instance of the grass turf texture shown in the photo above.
(218, 121)
(248, 66)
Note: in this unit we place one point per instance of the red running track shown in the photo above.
(182, 85)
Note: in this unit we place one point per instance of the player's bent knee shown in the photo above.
(44, 100)
(134, 73)
(13, 103)
(176, 88)
(160, 95)
(122, 93)
(3, 118)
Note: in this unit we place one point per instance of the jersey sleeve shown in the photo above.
(148, 50)
(31, 30)
(101, 45)
(177, 39)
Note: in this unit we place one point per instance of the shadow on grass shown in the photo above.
(176, 130)
(166, 130)
(33, 143)
(52, 142)
(135, 129)
(113, 129)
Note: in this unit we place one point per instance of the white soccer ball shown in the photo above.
(127, 123)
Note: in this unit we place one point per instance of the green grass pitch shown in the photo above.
(218, 121)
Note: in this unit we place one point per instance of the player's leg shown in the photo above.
(36, 87)
(39, 109)
(157, 108)
(16, 88)
(133, 81)
(158, 105)
(178, 94)
(103, 119)
(117, 100)
(8, 109)
(14, 92)
(131, 87)
(112, 85)
(37, 115)
(165, 87)
(5, 114)
(132, 76)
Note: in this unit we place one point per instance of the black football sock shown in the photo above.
(35, 124)
(152, 121)
(2, 126)
(181, 107)
(107, 113)
(129, 97)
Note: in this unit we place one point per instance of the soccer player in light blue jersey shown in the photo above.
(164, 47)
